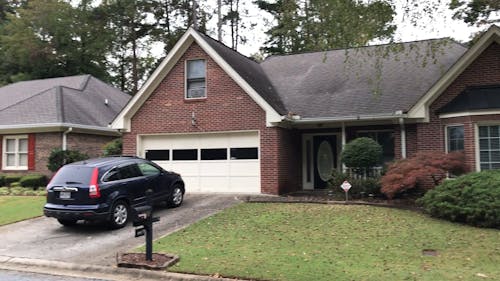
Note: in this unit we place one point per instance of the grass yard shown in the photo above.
(18, 208)
(333, 242)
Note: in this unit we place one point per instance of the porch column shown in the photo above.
(343, 144)
(403, 137)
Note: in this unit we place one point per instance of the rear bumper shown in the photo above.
(77, 212)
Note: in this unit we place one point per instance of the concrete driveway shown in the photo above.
(44, 238)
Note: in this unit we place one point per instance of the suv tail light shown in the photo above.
(94, 191)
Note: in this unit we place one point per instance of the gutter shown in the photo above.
(51, 127)
(296, 119)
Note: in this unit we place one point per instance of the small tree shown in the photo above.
(59, 158)
(361, 153)
(425, 170)
(113, 147)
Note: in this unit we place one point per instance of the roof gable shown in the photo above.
(474, 98)
(247, 77)
(421, 107)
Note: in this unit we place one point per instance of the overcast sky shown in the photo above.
(438, 25)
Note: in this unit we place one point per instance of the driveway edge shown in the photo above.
(94, 271)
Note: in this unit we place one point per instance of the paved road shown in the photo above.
(8, 275)
(45, 238)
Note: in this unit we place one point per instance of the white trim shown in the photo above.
(51, 127)
(421, 108)
(122, 120)
(470, 113)
(402, 133)
(310, 137)
(16, 152)
(476, 147)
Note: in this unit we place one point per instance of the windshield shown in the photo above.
(73, 175)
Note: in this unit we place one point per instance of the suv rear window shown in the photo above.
(73, 174)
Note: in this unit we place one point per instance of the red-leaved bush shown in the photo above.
(425, 170)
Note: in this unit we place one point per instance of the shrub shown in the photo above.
(113, 147)
(361, 153)
(4, 191)
(10, 179)
(2, 180)
(59, 158)
(473, 199)
(425, 170)
(33, 181)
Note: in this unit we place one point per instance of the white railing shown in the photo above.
(364, 173)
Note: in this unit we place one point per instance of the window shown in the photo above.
(385, 139)
(214, 154)
(148, 170)
(244, 153)
(455, 138)
(15, 152)
(158, 154)
(185, 154)
(195, 79)
(489, 147)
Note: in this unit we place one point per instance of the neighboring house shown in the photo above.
(230, 124)
(70, 113)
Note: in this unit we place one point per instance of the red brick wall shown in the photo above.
(485, 70)
(44, 143)
(226, 108)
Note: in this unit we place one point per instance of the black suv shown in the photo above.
(107, 188)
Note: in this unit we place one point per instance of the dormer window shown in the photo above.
(196, 86)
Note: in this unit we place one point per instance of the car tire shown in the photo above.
(67, 222)
(177, 196)
(119, 216)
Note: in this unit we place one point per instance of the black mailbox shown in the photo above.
(141, 215)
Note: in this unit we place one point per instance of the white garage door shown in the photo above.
(208, 162)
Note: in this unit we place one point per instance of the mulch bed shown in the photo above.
(138, 260)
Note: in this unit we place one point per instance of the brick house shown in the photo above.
(70, 113)
(230, 124)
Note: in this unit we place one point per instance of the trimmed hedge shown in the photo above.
(473, 199)
(59, 158)
(33, 180)
(9, 179)
(361, 153)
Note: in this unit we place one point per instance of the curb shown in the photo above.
(95, 271)
(315, 200)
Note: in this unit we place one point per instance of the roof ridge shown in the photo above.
(225, 46)
(367, 46)
(29, 98)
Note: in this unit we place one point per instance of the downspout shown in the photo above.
(343, 145)
(65, 138)
(403, 137)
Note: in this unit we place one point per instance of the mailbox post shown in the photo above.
(143, 221)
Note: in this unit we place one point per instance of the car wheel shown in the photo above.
(67, 222)
(175, 200)
(119, 215)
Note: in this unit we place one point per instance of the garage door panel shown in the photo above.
(212, 168)
(244, 184)
(248, 139)
(244, 168)
(215, 184)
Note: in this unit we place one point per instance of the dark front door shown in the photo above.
(325, 159)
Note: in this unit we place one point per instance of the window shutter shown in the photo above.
(31, 152)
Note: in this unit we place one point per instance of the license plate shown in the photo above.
(65, 195)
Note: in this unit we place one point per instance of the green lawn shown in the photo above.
(333, 242)
(18, 208)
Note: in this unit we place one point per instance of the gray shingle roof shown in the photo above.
(249, 70)
(362, 81)
(78, 100)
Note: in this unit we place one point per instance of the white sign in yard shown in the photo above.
(346, 186)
